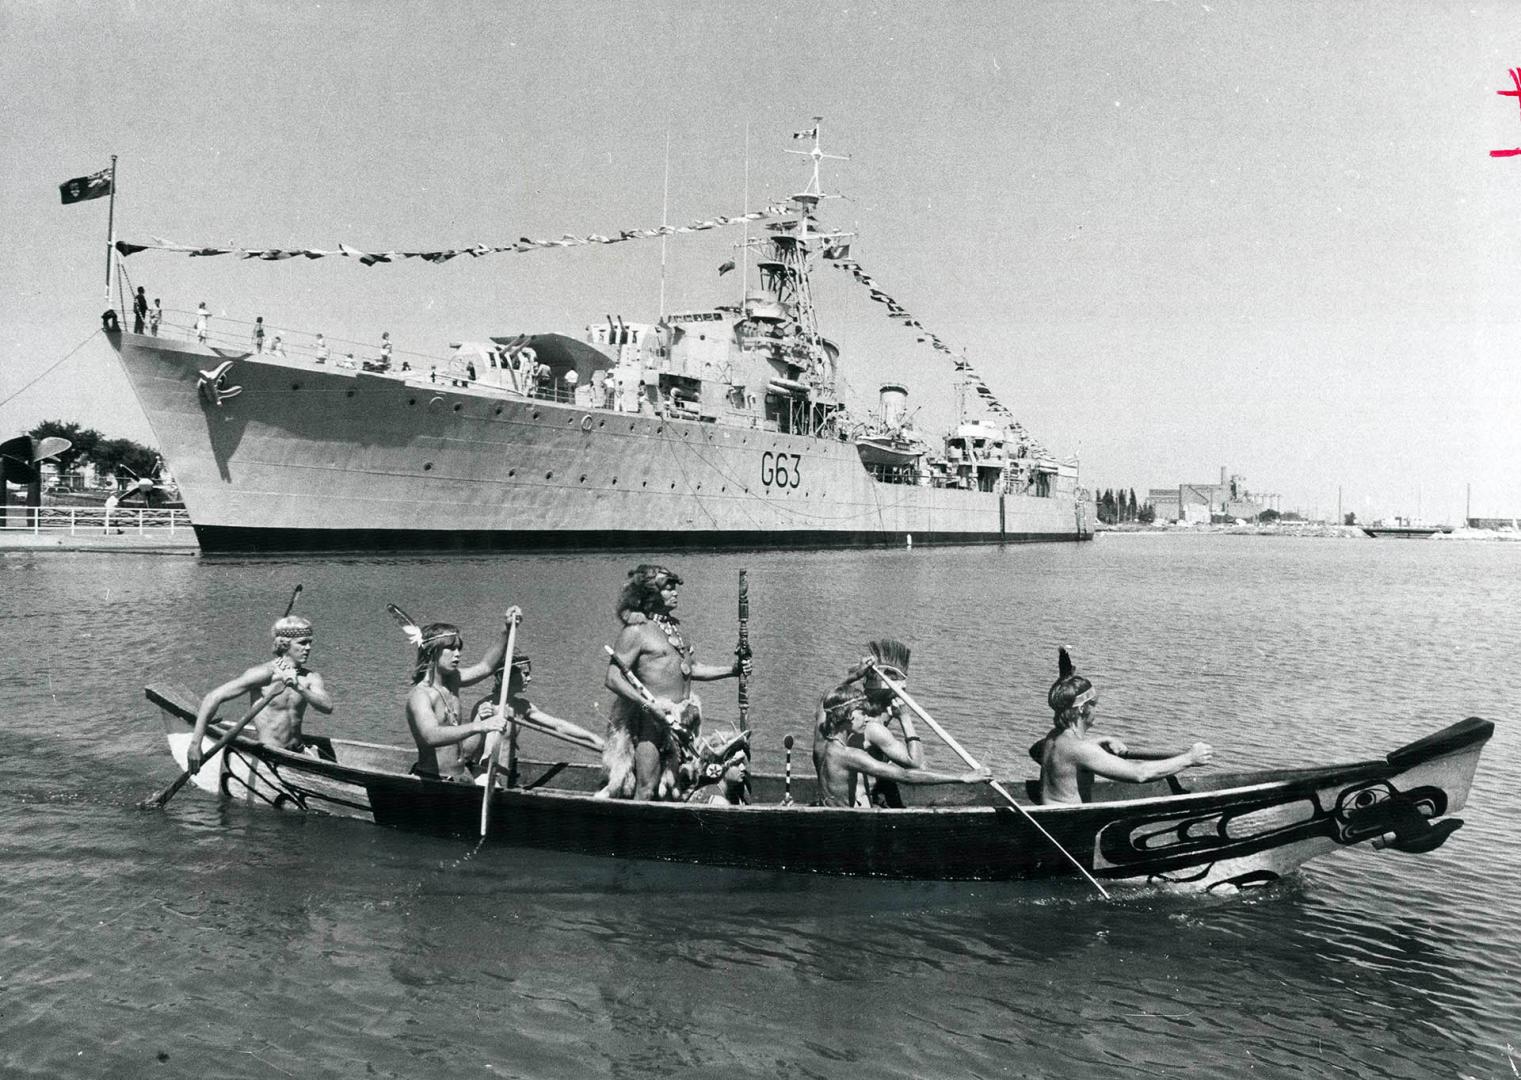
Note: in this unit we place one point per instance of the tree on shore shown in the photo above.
(1349, 519)
(107, 455)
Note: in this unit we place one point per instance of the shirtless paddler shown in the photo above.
(278, 723)
(1070, 757)
(446, 748)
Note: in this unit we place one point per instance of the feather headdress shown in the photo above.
(1070, 690)
(407, 624)
(890, 654)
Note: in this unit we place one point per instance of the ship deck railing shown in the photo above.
(347, 355)
(93, 520)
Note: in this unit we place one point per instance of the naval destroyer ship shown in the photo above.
(708, 428)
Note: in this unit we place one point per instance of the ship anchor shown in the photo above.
(213, 385)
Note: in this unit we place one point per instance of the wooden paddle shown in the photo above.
(971, 762)
(157, 801)
(501, 715)
(639, 687)
(1130, 755)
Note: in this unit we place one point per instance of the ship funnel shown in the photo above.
(894, 401)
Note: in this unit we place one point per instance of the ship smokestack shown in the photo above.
(894, 403)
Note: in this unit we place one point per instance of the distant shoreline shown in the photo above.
(1291, 529)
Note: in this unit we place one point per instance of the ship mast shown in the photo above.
(788, 269)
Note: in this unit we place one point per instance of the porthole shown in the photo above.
(583, 478)
(659, 428)
(673, 485)
(458, 406)
(512, 472)
(295, 386)
(549, 476)
(615, 481)
(601, 423)
(644, 483)
(535, 414)
(498, 410)
(427, 466)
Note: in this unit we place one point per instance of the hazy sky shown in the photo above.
(1172, 235)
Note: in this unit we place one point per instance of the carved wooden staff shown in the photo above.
(743, 651)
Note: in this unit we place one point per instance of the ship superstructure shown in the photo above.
(707, 427)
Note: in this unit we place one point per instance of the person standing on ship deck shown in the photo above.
(446, 748)
(202, 320)
(139, 310)
(643, 748)
(258, 334)
(279, 723)
(385, 351)
(155, 317)
(321, 349)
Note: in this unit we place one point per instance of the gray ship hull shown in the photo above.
(304, 457)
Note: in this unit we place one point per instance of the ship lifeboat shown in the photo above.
(889, 448)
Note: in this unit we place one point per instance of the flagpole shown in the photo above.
(665, 208)
(744, 251)
(111, 231)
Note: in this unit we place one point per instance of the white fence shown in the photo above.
(93, 520)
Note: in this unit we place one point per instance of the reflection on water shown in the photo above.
(245, 943)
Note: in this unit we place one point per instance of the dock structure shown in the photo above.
(92, 528)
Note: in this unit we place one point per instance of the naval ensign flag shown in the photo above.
(94, 186)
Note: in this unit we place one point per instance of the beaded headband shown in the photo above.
(292, 627)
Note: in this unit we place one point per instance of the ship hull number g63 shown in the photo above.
(781, 470)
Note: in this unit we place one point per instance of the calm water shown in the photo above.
(221, 941)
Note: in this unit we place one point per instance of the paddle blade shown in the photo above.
(159, 801)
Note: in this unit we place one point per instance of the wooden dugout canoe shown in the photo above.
(1204, 831)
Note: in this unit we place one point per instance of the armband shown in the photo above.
(912, 738)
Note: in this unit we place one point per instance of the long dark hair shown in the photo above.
(435, 636)
(641, 592)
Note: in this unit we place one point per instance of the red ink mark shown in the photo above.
(1515, 78)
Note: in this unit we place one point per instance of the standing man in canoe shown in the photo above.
(279, 723)
(872, 709)
(1070, 758)
(446, 748)
(643, 749)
